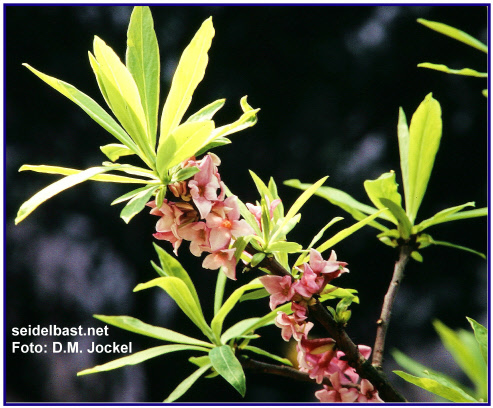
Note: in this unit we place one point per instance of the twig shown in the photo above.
(388, 302)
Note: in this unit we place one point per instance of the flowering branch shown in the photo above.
(354, 358)
(285, 371)
(383, 322)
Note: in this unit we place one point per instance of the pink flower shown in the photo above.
(171, 237)
(198, 235)
(368, 392)
(331, 268)
(280, 288)
(299, 311)
(314, 356)
(204, 186)
(310, 283)
(256, 210)
(290, 327)
(225, 258)
(341, 365)
(337, 393)
(225, 224)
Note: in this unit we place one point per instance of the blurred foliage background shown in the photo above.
(329, 81)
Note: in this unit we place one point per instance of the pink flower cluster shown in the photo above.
(317, 357)
(203, 216)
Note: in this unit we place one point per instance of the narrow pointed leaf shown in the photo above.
(343, 200)
(180, 293)
(463, 248)
(129, 195)
(442, 216)
(384, 187)
(88, 105)
(137, 203)
(479, 212)
(403, 224)
(441, 389)
(218, 320)
(239, 329)
(207, 112)
(454, 33)
(139, 357)
(143, 63)
(108, 178)
(123, 96)
(187, 383)
(227, 365)
(403, 137)
(189, 73)
(425, 133)
(172, 267)
(447, 70)
(481, 334)
(284, 246)
(264, 353)
(137, 326)
(114, 151)
(57, 187)
(346, 232)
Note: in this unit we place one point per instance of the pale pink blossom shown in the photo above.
(291, 328)
(280, 288)
(337, 393)
(310, 282)
(223, 257)
(170, 237)
(204, 186)
(198, 235)
(256, 210)
(299, 311)
(315, 355)
(368, 392)
(340, 364)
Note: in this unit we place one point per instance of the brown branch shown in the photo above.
(362, 366)
(388, 302)
(284, 371)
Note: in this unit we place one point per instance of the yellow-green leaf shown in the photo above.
(384, 187)
(444, 68)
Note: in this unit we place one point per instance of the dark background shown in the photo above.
(329, 81)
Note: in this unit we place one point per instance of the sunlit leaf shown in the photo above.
(184, 386)
(180, 293)
(442, 388)
(404, 225)
(137, 203)
(481, 334)
(137, 326)
(57, 187)
(114, 151)
(239, 329)
(384, 187)
(264, 353)
(444, 68)
(207, 112)
(441, 216)
(189, 72)
(478, 212)
(454, 33)
(139, 357)
(462, 248)
(283, 246)
(142, 61)
(425, 133)
(403, 138)
(227, 365)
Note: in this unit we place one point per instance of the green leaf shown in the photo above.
(185, 174)
(187, 383)
(442, 388)
(257, 258)
(418, 369)
(264, 353)
(454, 33)
(384, 187)
(172, 267)
(220, 141)
(218, 320)
(183, 143)
(463, 351)
(189, 72)
(403, 137)
(122, 96)
(425, 133)
(207, 112)
(137, 203)
(88, 105)
(142, 60)
(129, 195)
(239, 329)
(481, 334)
(109, 178)
(114, 151)
(254, 295)
(139, 357)
(404, 225)
(479, 212)
(180, 293)
(347, 232)
(343, 200)
(283, 246)
(246, 120)
(463, 248)
(57, 187)
(441, 216)
(227, 365)
(444, 68)
(137, 326)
